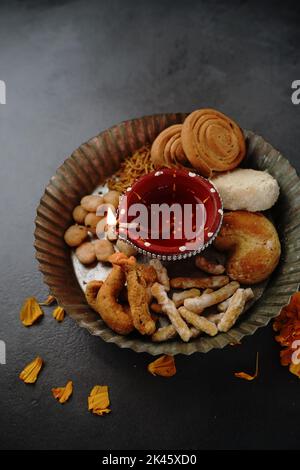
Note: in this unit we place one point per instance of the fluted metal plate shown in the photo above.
(99, 158)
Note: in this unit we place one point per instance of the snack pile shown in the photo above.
(142, 297)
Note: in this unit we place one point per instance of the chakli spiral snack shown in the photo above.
(212, 142)
(167, 147)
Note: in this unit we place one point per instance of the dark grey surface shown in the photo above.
(72, 69)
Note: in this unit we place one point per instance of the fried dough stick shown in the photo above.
(235, 308)
(199, 282)
(198, 304)
(169, 308)
(169, 332)
(161, 272)
(208, 266)
(223, 306)
(201, 323)
(138, 298)
(111, 312)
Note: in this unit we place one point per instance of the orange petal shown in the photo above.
(62, 394)
(245, 376)
(98, 401)
(30, 374)
(295, 369)
(164, 366)
(30, 311)
(49, 301)
(59, 314)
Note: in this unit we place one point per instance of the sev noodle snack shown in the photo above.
(132, 168)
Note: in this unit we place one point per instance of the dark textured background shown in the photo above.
(72, 69)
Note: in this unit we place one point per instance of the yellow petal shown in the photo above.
(49, 301)
(31, 371)
(62, 394)
(295, 369)
(58, 314)
(164, 366)
(245, 376)
(98, 401)
(30, 312)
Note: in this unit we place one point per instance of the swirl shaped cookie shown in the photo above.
(212, 141)
(167, 147)
(252, 244)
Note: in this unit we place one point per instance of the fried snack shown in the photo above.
(169, 308)
(247, 189)
(179, 297)
(222, 307)
(215, 317)
(131, 169)
(156, 308)
(125, 248)
(199, 282)
(91, 293)
(92, 202)
(75, 235)
(111, 312)
(112, 197)
(201, 323)
(138, 298)
(121, 259)
(235, 308)
(167, 147)
(104, 249)
(169, 332)
(208, 266)
(86, 253)
(252, 244)
(79, 214)
(212, 141)
(161, 273)
(91, 222)
(198, 304)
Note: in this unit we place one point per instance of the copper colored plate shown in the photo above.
(99, 158)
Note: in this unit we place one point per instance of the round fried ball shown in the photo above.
(75, 235)
(86, 253)
(112, 197)
(103, 249)
(91, 220)
(91, 203)
(79, 214)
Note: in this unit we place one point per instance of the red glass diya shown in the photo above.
(170, 214)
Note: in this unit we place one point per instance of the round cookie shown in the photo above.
(212, 141)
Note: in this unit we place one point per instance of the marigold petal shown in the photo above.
(49, 301)
(59, 314)
(295, 369)
(62, 394)
(245, 376)
(30, 311)
(30, 373)
(163, 366)
(98, 400)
